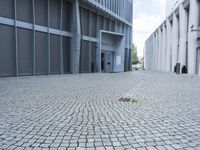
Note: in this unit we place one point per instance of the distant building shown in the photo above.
(176, 41)
(65, 36)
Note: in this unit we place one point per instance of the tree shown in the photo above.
(134, 54)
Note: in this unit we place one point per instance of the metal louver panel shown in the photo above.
(66, 54)
(93, 25)
(7, 8)
(55, 54)
(24, 10)
(25, 52)
(101, 23)
(66, 16)
(7, 51)
(55, 7)
(107, 24)
(112, 26)
(41, 53)
(85, 21)
(41, 12)
(84, 57)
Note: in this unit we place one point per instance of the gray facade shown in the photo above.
(65, 36)
(175, 45)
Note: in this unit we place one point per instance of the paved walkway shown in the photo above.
(84, 112)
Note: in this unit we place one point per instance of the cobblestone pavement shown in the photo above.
(84, 112)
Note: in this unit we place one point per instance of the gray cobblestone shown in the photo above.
(83, 112)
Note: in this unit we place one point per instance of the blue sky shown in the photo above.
(148, 15)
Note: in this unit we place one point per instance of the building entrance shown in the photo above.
(106, 61)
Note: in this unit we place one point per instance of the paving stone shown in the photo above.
(84, 112)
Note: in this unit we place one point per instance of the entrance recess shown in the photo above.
(111, 52)
(106, 61)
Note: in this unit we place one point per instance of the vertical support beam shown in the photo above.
(34, 59)
(76, 30)
(192, 37)
(167, 45)
(49, 53)
(174, 41)
(164, 47)
(49, 48)
(159, 49)
(183, 35)
(16, 45)
(98, 50)
(61, 41)
(168, 29)
(90, 43)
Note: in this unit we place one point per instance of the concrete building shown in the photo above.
(65, 36)
(176, 40)
(171, 5)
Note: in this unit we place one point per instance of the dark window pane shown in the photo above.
(41, 12)
(24, 10)
(55, 14)
(7, 8)
(7, 51)
(25, 53)
(55, 54)
(41, 53)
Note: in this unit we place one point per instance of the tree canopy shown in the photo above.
(134, 54)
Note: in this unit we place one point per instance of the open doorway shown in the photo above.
(106, 61)
(111, 52)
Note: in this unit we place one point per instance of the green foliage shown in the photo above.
(134, 55)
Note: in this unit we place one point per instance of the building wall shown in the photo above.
(171, 5)
(176, 40)
(58, 36)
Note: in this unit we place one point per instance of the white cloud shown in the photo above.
(145, 24)
(161, 4)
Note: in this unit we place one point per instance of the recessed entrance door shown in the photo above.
(198, 62)
(107, 62)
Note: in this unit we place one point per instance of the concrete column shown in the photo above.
(174, 41)
(168, 47)
(183, 35)
(159, 49)
(192, 37)
(154, 51)
(76, 30)
(164, 47)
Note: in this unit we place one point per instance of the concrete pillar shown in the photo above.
(169, 44)
(174, 41)
(183, 35)
(159, 49)
(154, 51)
(164, 47)
(192, 37)
(76, 30)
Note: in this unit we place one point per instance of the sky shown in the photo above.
(148, 15)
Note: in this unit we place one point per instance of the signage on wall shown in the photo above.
(118, 60)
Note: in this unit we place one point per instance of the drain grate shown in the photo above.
(130, 100)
